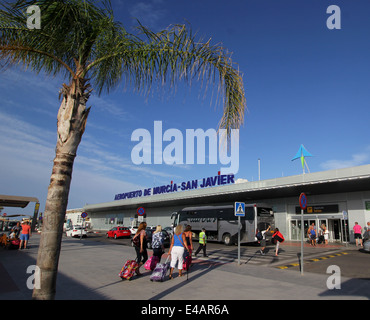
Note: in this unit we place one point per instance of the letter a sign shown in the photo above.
(239, 209)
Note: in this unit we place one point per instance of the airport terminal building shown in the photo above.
(336, 198)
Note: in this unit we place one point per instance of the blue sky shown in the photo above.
(305, 84)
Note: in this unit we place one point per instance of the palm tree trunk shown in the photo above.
(72, 118)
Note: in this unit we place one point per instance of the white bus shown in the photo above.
(221, 224)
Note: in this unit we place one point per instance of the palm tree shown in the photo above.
(81, 41)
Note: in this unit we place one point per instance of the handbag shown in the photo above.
(136, 240)
(278, 237)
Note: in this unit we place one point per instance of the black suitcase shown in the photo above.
(321, 239)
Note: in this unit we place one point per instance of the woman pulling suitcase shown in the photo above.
(178, 246)
(140, 243)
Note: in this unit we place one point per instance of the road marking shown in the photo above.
(311, 260)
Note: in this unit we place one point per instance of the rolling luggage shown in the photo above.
(14, 244)
(187, 260)
(128, 270)
(154, 262)
(321, 239)
(160, 271)
(151, 263)
(187, 263)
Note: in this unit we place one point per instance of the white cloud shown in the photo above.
(149, 13)
(105, 105)
(28, 146)
(356, 160)
(98, 159)
(90, 187)
(27, 153)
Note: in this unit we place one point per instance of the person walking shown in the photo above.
(278, 237)
(202, 243)
(357, 229)
(262, 241)
(366, 235)
(189, 241)
(157, 243)
(188, 236)
(177, 248)
(311, 233)
(140, 243)
(25, 234)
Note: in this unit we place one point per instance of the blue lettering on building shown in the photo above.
(219, 180)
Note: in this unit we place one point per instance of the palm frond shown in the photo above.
(67, 34)
(82, 40)
(170, 56)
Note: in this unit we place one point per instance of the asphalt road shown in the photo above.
(353, 262)
(88, 270)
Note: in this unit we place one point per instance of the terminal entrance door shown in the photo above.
(338, 228)
(296, 228)
(334, 229)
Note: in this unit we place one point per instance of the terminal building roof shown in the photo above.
(16, 201)
(324, 182)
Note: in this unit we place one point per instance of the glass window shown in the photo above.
(294, 230)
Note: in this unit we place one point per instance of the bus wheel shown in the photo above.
(226, 238)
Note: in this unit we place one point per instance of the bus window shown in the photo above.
(221, 223)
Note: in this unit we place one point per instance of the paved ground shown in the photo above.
(88, 270)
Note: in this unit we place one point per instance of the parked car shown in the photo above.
(119, 232)
(76, 232)
(366, 245)
(133, 230)
(149, 234)
(169, 230)
(11, 224)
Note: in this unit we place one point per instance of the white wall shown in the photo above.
(353, 203)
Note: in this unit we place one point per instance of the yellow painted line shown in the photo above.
(312, 260)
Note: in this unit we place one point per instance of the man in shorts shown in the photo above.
(25, 234)
(358, 233)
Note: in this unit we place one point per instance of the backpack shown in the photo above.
(259, 235)
(157, 240)
(136, 240)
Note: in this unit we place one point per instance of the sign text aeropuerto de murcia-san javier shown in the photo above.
(219, 180)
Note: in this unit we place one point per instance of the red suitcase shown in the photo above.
(187, 260)
(128, 270)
